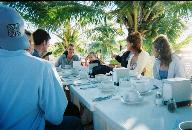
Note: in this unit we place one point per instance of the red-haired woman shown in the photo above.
(140, 59)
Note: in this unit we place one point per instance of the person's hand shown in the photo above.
(87, 61)
(113, 55)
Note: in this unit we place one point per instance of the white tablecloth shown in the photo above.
(85, 96)
(115, 115)
(112, 114)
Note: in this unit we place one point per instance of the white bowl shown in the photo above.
(186, 125)
(107, 86)
(100, 77)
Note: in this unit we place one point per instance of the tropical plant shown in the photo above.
(66, 18)
(182, 44)
(104, 39)
(150, 18)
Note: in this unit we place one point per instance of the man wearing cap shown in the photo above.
(30, 89)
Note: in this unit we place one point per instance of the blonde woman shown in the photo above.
(167, 64)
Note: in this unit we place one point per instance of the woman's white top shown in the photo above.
(176, 68)
(144, 61)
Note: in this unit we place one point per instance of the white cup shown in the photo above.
(132, 95)
(142, 85)
(186, 125)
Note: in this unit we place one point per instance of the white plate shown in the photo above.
(140, 100)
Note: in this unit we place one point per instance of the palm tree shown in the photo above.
(151, 18)
(67, 18)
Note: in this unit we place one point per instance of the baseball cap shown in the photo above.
(12, 32)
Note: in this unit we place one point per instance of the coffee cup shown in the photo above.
(132, 95)
(142, 85)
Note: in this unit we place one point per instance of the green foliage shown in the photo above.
(104, 37)
(114, 62)
(183, 43)
(95, 22)
(152, 18)
(51, 14)
(57, 49)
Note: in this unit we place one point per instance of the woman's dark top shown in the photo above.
(100, 69)
(95, 61)
(123, 59)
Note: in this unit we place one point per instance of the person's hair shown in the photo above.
(161, 44)
(93, 53)
(136, 40)
(72, 45)
(65, 47)
(40, 35)
(27, 33)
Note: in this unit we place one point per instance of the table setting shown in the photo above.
(124, 106)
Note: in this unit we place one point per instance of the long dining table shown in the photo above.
(111, 113)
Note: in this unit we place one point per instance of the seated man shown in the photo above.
(41, 42)
(67, 57)
(31, 91)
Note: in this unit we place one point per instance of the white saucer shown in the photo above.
(139, 100)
